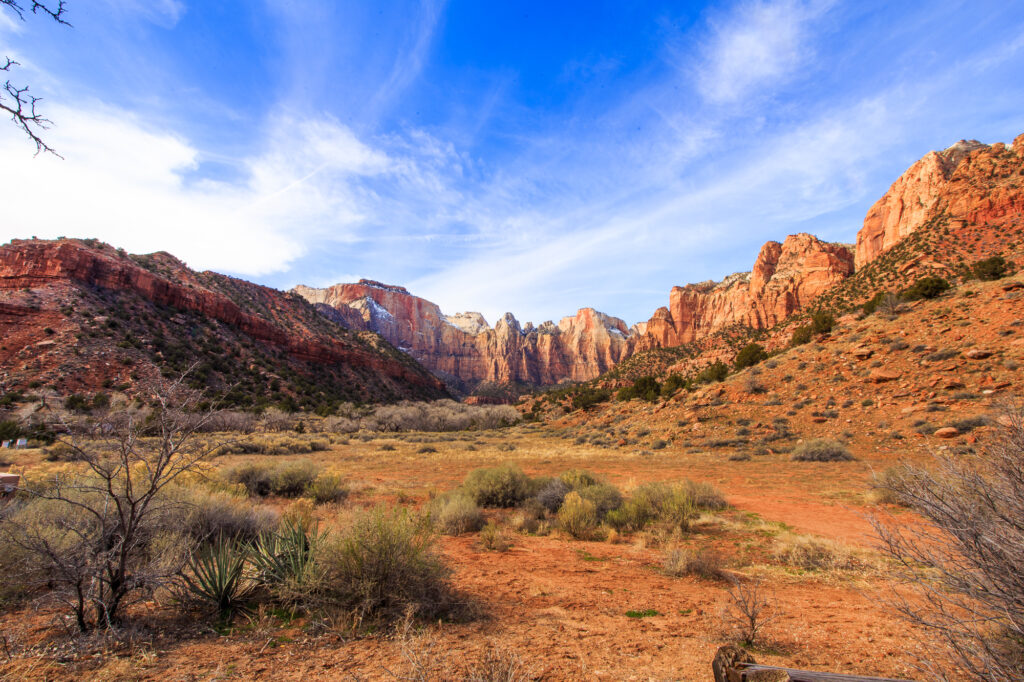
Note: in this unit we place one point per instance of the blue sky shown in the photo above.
(534, 157)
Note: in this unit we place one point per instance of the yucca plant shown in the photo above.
(217, 576)
(285, 561)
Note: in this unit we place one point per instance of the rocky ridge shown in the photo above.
(82, 315)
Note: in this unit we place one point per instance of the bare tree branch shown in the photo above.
(16, 100)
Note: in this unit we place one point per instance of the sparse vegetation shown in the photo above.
(821, 450)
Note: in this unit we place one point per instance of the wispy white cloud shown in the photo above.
(164, 13)
(759, 44)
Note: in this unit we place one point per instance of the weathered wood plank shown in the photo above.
(811, 676)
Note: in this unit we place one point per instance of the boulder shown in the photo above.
(977, 354)
(946, 432)
(861, 352)
(880, 375)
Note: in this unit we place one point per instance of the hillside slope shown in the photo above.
(81, 316)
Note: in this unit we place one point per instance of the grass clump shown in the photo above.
(705, 563)
(810, 553)
(821, 450)
(456, 513)
(644, 613)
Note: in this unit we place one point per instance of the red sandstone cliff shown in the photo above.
(38, 278)
(785, 278)
(971, 183)
(465, 348)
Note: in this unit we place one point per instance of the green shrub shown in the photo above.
(292, 478)
(646, 388)
(705, 496)
(578, 478)
(10, 430)
(504, 486)
(673, 505)
(586, 398)
(214, 514)
(871, 305)
(926, 287)
(327, 488)
(288, 479)
(821, 450)
(493, 539)
(673, 383)
(822, 322)
(716, 371)
(385, 566)
(750, 355)
(990, 269)
(801, 335)
(76, 402)
(604, 497)
(456, 513)
(578, 517)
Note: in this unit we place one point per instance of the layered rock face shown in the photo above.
(784, 279)
(464, 348)
(39, 277)
(970, 182)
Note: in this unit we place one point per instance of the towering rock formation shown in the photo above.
(784, 279)
(970, 182)
(465, 350)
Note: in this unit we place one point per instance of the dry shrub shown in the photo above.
(821, 450)
(578, 517)
(288, 479)
(210, 514)
(440, 415)
(493, 539)
(456, 513)
(551, 494)
(327, 487)
(604, 497)
(814, 554)
(672, 505)
(504, 486)
(884, 487)
(386, 565)
(749, 610)
(704, 562)
(964, 562)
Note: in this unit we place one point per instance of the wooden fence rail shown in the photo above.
(733, 664)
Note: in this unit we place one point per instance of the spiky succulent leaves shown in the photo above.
(287, 558)
(217, 576)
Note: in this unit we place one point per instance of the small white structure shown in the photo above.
(8, 483)
(6, 444)
(21, 444)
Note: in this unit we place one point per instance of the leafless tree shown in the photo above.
(111, 531)
(965, 563)
(16, 100)
(750, 609)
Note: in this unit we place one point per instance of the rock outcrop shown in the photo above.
(466, 351)
(784, 279)
(969, 183)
